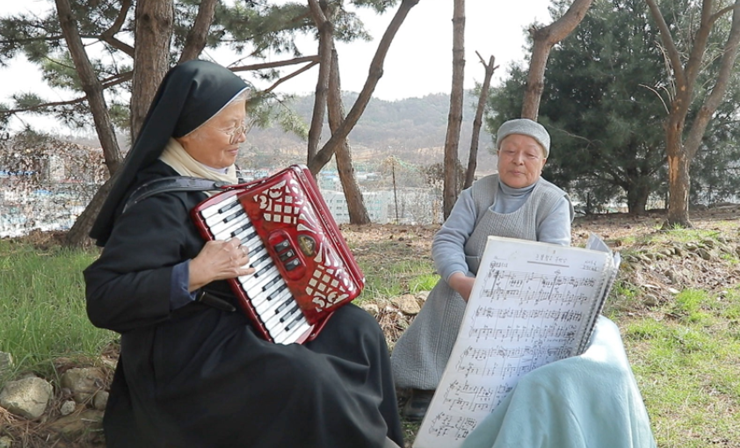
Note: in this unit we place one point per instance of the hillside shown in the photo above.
(412, 129)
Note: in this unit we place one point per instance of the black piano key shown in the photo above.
(228, 207)
(241, 229)
(298, 319)
(277, 291)
(231, 217)
(267, 285)
(290, 312)
(259, 262)
(283, 306)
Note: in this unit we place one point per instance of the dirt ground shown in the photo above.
(662, 270)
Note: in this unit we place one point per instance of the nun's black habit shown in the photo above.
(198, 376)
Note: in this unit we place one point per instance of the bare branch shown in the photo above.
(665, 106)
(107, 36)
(668, 43)
(275, 64)
(198, 34)
(722, 12)
(375, 73)
(290, 76)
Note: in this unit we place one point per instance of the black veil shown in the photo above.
(189, 95)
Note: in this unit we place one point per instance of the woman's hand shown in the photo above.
(462, 284)
(219, 260)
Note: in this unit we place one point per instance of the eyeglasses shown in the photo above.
(235, 133)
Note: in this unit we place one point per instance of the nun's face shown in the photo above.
(216, 143)
(520, 161)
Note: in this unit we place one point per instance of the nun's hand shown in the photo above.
(219, 260)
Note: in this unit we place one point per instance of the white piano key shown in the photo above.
(221, 230)
(266, 308)
(251, 282)
(292, 335)
(228, 215)
(216, 208)
(282, 316)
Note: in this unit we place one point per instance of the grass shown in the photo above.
(683, 345)
(42, 311)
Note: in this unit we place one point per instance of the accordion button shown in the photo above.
(287, 255)
(282, 245)
(292, 264)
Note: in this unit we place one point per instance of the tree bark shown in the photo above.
(680, 152)
(375, 73)
(352, 194)
(154, 22)
(77, 236)
(454, 119)
(478, 121)
(326, 32)
(197, 37)
(637, 195)
(544, 39)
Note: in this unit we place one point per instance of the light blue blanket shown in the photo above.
(591, 400)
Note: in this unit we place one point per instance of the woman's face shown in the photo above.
(216, 143)
(520, 161)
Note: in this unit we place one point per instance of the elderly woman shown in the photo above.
(195, 375)
(517, 203)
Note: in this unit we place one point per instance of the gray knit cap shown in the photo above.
(527, 127)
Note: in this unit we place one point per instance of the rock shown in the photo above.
(100, 400)
(407, 303)
(83, 382)
(27, 397)
(371, 308)
(651, 300)
(705, 254)
(73, 426)
(67, 407)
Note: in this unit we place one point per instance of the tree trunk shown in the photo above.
(637, 196)
(680, 152)
(352, 194)
(544, 39)
(198, 34)
(375, 73)
(93, 89)
(678, 179)
(478, 121)
(77, 236)
(454, 119)
(326, 32)
(153, 33)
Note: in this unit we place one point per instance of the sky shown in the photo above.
(419, 61)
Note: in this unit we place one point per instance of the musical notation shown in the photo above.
(532, 304)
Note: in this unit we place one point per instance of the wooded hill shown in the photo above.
(411, 129)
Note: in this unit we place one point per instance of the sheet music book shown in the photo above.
(532, 303)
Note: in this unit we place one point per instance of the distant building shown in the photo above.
(407, 206)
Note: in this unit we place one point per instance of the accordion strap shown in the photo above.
(172, 183)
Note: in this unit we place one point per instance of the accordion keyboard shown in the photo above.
(266, 289)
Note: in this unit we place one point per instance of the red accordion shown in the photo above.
(304, 268)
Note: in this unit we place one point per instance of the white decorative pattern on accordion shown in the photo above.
(284, 202)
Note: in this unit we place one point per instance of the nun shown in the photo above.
(191, 374)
